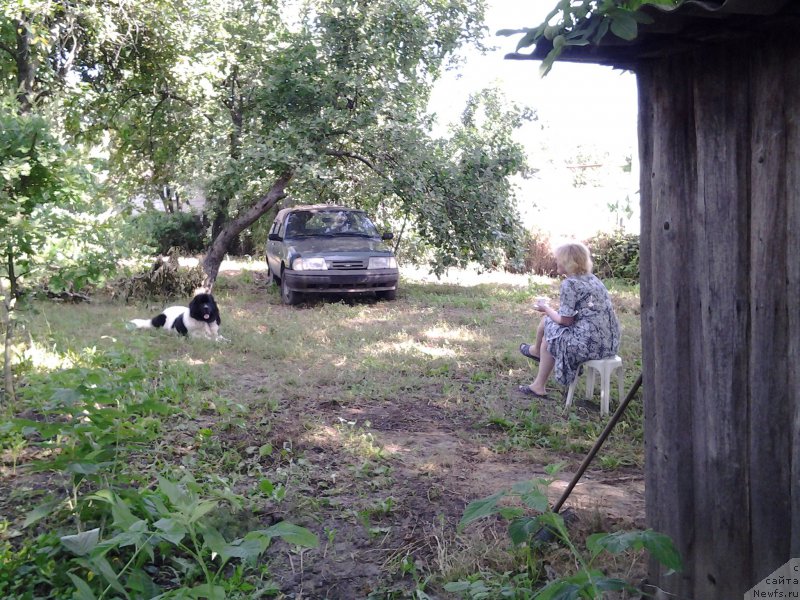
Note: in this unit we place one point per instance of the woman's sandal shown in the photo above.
(525, 350)
(525, 389)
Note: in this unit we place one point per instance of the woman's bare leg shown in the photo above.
(546, 364)
(536, 348)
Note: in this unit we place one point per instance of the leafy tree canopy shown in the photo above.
(50, 223)
(251, 100)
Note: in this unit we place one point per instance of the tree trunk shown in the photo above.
(8, 374)
(219, 247)
(233, 102)
(26, 69)
(8, 323)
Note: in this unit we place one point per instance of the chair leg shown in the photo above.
(605, 391)
(590, 372)
(571, 392)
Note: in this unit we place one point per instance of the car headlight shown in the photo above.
(309, 264)
(382, 262)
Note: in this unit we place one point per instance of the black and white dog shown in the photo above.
(199, 319)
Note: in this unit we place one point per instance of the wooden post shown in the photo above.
(720, 282)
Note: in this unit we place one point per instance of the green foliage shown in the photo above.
(164, 231)
(172, 525)
(234, 96)
(339, 103)
(88, 420)
(52, 229)
(585, 22)
(616, 255)
(116, 533)
(459, 195)
(530, 533)
(32, 568)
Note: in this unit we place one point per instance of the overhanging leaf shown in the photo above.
(508, 32)
(294, 534)
(83, 591)
(40, 512)
(479, 509)
(171, 530)
(624, 26)
(527, 40)
(659, 545)
(81, 544)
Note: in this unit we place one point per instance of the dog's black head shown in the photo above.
(203, 308)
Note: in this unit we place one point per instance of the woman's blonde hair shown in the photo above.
(574, 258)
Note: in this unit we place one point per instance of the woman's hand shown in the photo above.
(547, 310)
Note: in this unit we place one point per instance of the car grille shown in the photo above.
(347, 264)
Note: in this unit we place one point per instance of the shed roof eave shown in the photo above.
(689, 26)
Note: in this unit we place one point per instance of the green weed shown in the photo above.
(531, 526)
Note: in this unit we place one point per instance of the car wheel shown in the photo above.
(288, 296)
(386, 295)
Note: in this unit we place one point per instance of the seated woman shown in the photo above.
(584, 328)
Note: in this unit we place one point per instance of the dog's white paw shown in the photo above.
(130, 326)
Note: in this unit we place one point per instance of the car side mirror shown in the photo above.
(387, 235)
(274, 237)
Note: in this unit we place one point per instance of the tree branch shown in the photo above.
(9, 50)
(354, 156)
(234, 227)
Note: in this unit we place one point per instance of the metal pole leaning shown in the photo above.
(600, 441)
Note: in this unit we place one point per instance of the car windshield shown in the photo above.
(329, 222)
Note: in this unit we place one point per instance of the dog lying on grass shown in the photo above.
(199, 319)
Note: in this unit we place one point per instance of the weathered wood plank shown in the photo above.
(769, 415)
(667, 180)
(720, 285)
(719, 224)
(792, 74)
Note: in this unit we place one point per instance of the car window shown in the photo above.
(339, 222)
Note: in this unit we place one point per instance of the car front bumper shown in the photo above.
(342, 281)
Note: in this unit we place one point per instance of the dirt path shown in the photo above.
(384, 486)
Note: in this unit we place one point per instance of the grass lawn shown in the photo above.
(371, 424)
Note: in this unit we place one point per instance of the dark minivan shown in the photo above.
(326, 249)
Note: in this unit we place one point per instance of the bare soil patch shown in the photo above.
(383, 470)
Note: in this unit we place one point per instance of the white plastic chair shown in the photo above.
(605, 367)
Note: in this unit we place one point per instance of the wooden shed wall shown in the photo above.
(720, 282)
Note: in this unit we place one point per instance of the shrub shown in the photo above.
(163, 231)
(539, 257)
(615, 255)
(164, 279)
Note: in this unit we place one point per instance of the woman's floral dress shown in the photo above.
(595, 332)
